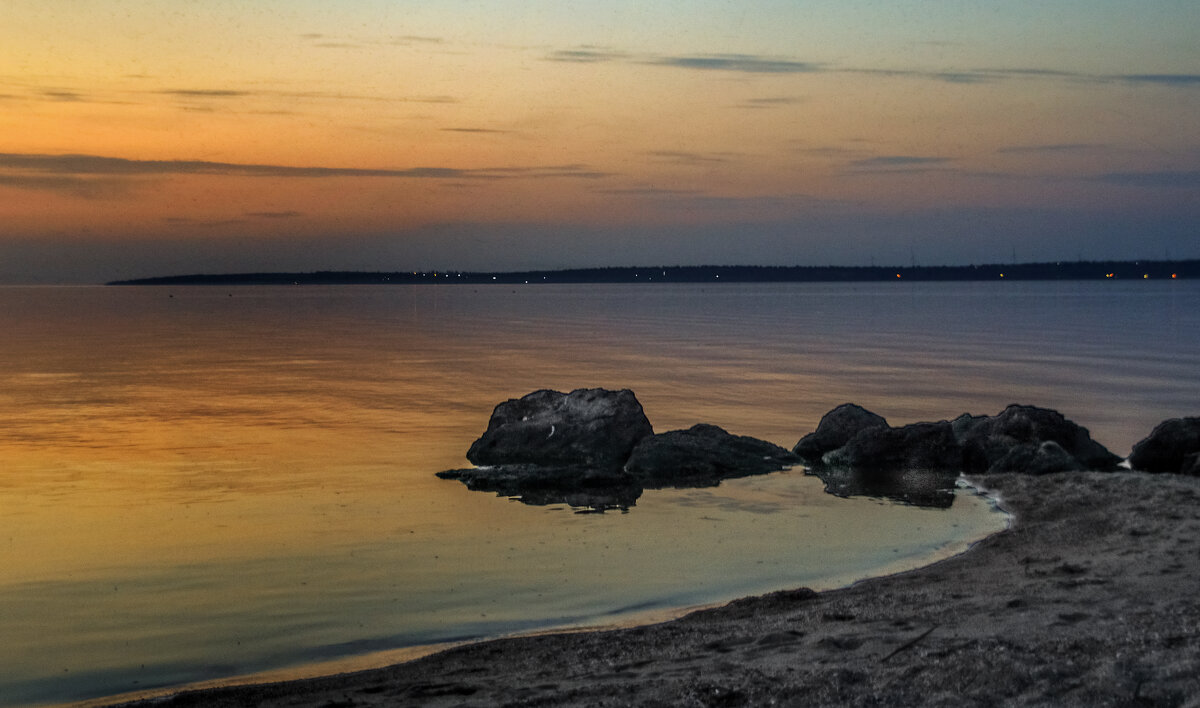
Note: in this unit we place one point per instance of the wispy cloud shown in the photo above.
(246, 218)
(1189, 179)
(586, 55)
(64, 172)
(79, 187)
(1050, 148)
(718, 205)
(771, 102)
(764, 64)
(742, 63)
(202, 223)
(835, 152)
(650, 192)
(407, 39)
(680, 157)
(1172, 80)
(63, 96)
(475, 130)
(951, 77)
(324, 41)
(205, 93)
(891, 162)
(274, 214)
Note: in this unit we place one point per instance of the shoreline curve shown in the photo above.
(1088, 598)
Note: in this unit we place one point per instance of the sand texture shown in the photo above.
(1091, 598)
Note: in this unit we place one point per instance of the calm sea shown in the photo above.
(198, 483)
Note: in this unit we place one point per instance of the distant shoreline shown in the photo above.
(1063, 270)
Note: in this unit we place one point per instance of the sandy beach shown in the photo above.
(1088, 599)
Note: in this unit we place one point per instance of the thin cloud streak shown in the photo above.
(205, 93)
(760, 64)
(476, 130)
(79, 187)
(1171, 80)
(63, 96)
(274, 214)
(1189, 179)
(771, 102)
(741, 63)
(95, 165)
(886, 161)
(585, 55)
(1051, 148)
(680, 157)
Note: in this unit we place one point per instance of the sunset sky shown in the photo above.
(155, 137)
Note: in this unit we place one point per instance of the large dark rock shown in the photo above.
(836, 429)
(1000, 443)
(702, 454)
(922, 446)
(591, 427)
(1028, 458)
(1172, 447)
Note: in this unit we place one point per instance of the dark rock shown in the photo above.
(965, 423)
(835, 430)
(592, 427)
(989, 440)
(1191, 465)
(702, 454)
(922, 446)
(594, 448)
(1170, 447)
(1028, 458)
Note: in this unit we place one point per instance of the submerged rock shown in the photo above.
(1173, 446)
(703, 455)
(836, 429)
(1002, 442)
(593, 427)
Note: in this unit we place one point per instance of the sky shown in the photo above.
(159, 137)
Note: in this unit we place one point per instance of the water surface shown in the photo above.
(203, 482)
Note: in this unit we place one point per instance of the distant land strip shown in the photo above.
(1076, 270)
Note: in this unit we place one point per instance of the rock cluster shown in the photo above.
(595, 448)
(855, 451)
(1019, 439)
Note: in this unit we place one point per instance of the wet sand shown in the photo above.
(1092, 597)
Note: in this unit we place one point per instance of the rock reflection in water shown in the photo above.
(585, 489)
(925, 488)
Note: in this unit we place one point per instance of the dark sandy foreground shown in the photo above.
(1091, 598)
